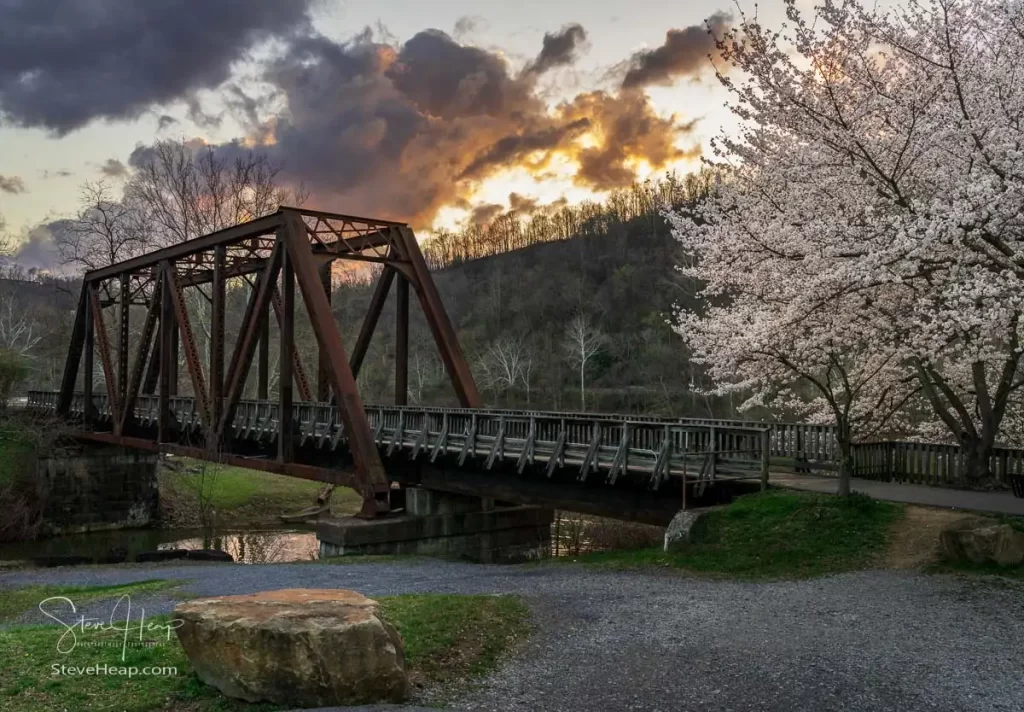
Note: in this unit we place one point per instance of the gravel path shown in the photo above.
(875, 640)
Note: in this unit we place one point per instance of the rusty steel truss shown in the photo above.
(274, 255)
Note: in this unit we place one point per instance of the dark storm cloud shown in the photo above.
(113, 168)
(559, 49)
(371, 126)
(12, 185)
(522, 204)
(485, 213)
(510, 149)
(631, 130)
(64, 63)
(446, 79)
(685, 52)
(164, 121)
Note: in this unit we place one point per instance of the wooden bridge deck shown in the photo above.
(631, 468)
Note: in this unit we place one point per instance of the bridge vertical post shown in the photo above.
(172, 354)
(87, 360)
(263, 358)
(323, 383)
(402, 341)
(124, 335)
(167, 335)
(217, 298)
(284, 380)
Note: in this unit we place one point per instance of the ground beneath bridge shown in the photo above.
(874, 640)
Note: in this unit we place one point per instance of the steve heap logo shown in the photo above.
(61, 670)
(76, 629)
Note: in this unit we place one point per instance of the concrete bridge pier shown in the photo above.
(93, 487)
(447, 525)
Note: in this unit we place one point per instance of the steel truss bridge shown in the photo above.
(632, 468)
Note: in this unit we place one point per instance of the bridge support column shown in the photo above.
(445, 525)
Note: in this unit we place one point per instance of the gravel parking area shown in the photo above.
(873, 640)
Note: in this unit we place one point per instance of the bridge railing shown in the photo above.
(610, 446)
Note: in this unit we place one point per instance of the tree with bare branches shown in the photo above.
(583, 341)
(105, 231)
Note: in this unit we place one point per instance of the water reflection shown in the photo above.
(256, 547)
(251, 547)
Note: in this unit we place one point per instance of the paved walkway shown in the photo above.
(993, 502)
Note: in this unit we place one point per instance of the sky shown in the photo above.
(421, 111)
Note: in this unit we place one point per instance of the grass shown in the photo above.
(243, 496)
(451, 638)
(448, 639)
(776, 535)
(16, 601)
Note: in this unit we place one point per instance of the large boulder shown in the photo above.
(300, 647)
(686, 526)
(983, 541)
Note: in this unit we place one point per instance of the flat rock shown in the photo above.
(983, 541)
(300, 647)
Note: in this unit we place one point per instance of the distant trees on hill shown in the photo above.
(532, 225)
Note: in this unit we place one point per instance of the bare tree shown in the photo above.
(505, 363)
(189, 190)
(426, 371)
(583, 341)
(19, 332)
(105, 230)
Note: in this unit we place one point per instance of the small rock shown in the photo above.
(297, 647)
(685, 528)
(983, 541)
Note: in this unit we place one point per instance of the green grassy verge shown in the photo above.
(776, 535)
(242, 496)
(447, 638)
(452, 638)
(14, 602)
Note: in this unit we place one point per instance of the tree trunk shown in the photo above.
(845, 468)
(845, 441)
(583, 391)
(976, 456)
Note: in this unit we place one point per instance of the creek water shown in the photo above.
(249, 547)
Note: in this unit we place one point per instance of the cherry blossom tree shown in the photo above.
(871, 210)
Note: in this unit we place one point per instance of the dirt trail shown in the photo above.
(914, 540)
